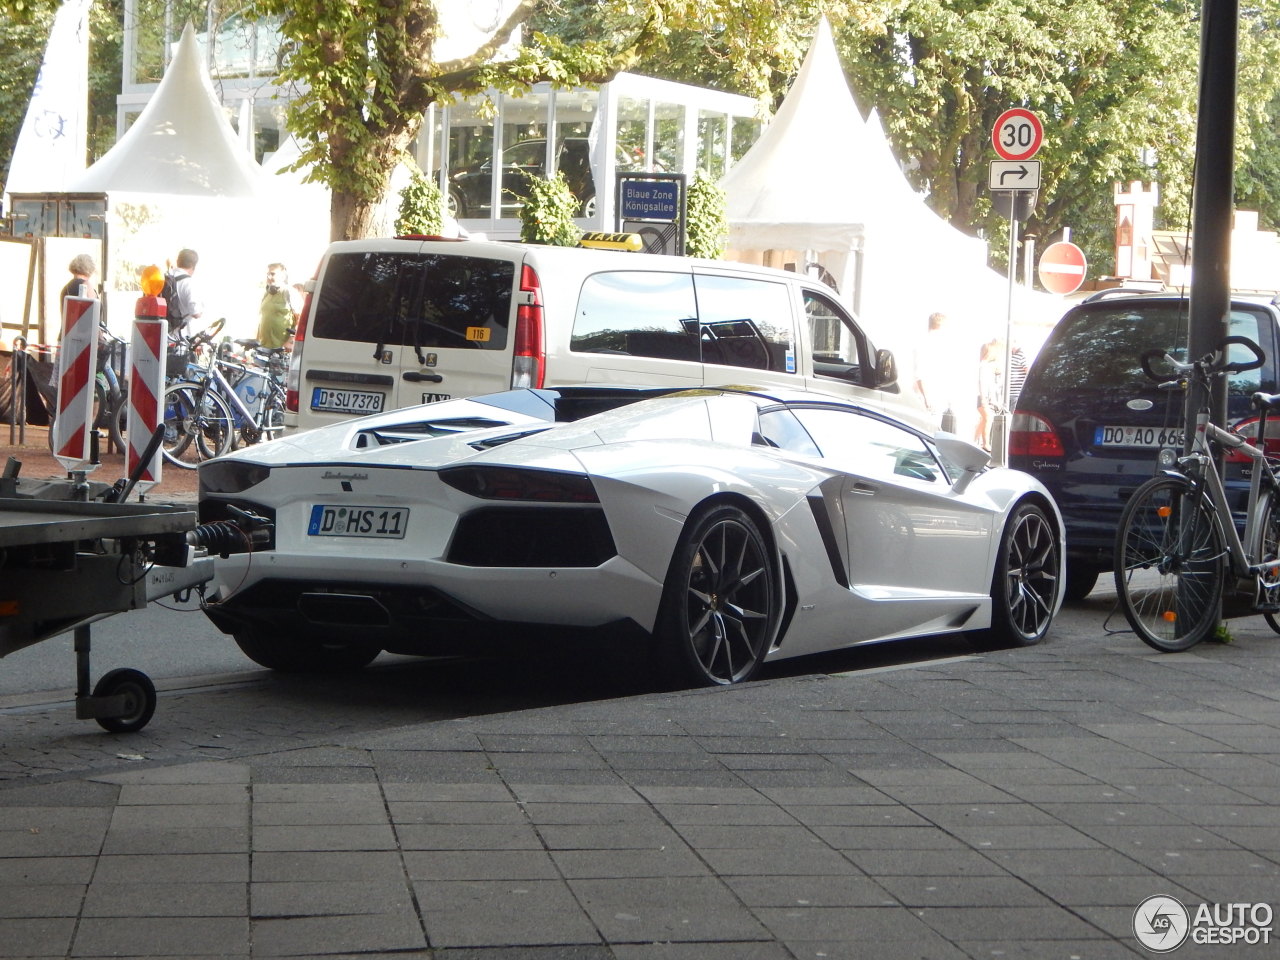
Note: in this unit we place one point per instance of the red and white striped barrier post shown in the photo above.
(146, 379)
(77, 368)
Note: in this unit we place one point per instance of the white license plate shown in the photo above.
(383, 522)
(346, 401)
(1137, 437)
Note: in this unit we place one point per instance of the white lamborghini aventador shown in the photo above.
(725, 526)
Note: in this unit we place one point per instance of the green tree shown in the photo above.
(24, 32)
(1115, 82)
(366, 71)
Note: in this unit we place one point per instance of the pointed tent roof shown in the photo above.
(818, 137)
(181, 143)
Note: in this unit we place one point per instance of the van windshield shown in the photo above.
(411, 299)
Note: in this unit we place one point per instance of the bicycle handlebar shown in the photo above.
(206, 335)
(1211, 364)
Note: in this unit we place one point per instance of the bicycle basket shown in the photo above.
(177, 359)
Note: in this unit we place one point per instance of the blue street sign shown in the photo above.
(648, 199)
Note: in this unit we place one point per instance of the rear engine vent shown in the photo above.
(519, 537)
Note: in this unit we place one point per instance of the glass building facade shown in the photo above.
(631, 124)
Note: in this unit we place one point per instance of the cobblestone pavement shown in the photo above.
(1018, 804)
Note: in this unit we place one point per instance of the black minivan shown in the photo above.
(1088, 424)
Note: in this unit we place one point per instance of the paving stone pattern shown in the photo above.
(1016, 804)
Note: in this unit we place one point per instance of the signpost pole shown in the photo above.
(1016, 138)
(1000, 422)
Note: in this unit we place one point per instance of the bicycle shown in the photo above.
(197, 422)
(253, 391)
(218, 405)
(1178, 542)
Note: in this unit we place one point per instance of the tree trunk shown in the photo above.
(351, 217)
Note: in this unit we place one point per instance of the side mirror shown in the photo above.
(969, 458)
(886, 369)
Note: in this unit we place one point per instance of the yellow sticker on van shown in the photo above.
(479, 334)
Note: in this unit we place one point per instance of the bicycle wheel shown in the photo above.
(1268, 522)
(197, 425)
(1169, 564)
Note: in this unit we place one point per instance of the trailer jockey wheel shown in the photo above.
(139, 695)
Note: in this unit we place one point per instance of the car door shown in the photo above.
(907, 536)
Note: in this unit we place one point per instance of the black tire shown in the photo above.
(288, 654)
(455, 205)
(117, 424)
(588, 206)
(140, 699)
(1170, 565)
(1081, 578)
(1269, 524)
(198, 426)
(720, 603)
(1026, 581)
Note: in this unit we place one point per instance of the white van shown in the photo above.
(396, 322)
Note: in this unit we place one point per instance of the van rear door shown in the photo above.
(397, 327)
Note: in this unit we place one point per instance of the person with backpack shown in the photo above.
(180, 293)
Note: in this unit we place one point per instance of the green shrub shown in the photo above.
(706, 226)
(421, 207)
(548, 212)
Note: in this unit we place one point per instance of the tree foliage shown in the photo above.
(24, 32)
(1115, 82)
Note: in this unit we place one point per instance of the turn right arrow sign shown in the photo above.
(1014, 175)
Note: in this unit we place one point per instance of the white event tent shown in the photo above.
(179, 177)
(821, 185)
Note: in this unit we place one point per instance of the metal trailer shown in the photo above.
(68, 560)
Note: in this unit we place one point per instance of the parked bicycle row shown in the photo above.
(217, 397)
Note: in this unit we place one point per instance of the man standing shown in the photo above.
(935, 364)
(180, 292)
(278, 312)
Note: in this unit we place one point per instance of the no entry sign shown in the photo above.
(1062, 267)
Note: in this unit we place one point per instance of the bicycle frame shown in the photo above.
(1242, 551)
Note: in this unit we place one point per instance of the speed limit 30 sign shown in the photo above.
(1017, 134)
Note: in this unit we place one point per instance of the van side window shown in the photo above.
(637, 313)
(413, 299)
(839, 347)
(745, 322)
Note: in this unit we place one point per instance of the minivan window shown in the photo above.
(744, 322)
(839, 347)
(423, 300)
(1103, 347)
(637, 313)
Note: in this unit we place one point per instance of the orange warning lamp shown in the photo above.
(152, 281)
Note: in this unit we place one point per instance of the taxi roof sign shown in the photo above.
(612, 241)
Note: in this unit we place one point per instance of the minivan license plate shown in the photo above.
(346, 401)
(1137, 437)
(334, 521)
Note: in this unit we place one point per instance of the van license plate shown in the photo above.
(331, 521)
(436, 397)
(346, 401)
(1137, 437)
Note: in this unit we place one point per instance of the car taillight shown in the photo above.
(508, 483)
(529, 363)
(294, 376)
(1033, 436)
(1248, 428)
